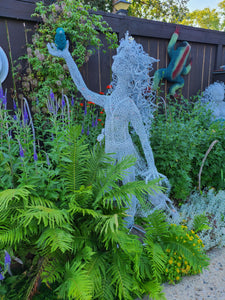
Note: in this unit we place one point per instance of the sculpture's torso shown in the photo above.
(117, 137)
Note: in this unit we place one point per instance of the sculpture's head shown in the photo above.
(131, 57)
(214, 92)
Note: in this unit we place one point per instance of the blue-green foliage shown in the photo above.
(212, 205)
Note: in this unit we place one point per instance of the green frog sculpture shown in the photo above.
(177, 66)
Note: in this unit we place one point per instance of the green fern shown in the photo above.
(201, 222)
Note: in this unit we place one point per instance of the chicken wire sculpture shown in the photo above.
(130, 102)
(213, 98)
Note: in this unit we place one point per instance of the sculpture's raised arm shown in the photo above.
(75, 74)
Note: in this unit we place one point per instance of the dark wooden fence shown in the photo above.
(208, 46)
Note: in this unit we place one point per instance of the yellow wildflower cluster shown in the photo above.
(177, 264)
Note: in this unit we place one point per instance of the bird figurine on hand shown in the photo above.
(60, 39)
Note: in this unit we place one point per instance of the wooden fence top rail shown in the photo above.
(23, 9)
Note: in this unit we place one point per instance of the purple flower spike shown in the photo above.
(15, 117)
(1, 93)
(85, 110)
(7, 260)
(52, 96)
(35, 156)
(14, 105)
(72, 101)
(63, 102)
(96, 121)
(82, 130)
(88, 131)
(93, 122)
(21, 150)
(1, 276)
(25, 115)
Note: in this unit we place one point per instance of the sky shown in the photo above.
(200, 4)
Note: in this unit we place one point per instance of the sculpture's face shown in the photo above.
(118, 65)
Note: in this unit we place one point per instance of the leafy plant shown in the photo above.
(180, 137)
(181, 247)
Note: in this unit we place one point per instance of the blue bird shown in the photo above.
(60, 39)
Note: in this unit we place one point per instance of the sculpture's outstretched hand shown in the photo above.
(53, 50)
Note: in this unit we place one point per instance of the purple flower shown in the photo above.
(72, 101)
(15, 117)
(85, 110)
(25, 115)
(88, 131)
(7, 260)
(93, 122)
(35, 155)
(82, 130)
(63, 102)
(52, 96)
(96, 121)
(14, 105)
(1, 93)
(1, 276)
(21, 150)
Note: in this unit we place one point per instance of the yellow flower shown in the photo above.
(179, 257)
(178, 271)
(194, 244)
(170, 261)
(179, 264)
(167, 270)
(178, 278)
(186, 262)
(192, 231)
(175, 253)
(168, 250)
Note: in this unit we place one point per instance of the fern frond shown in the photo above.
(157, 257)
(49, 216)
(77, 284)
(201, 222)
(154, 290)
(53, 239)
(10, 235)
(122, 275)
(15, 196)
(156, 226)
(74, 159)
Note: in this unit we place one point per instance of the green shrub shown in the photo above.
(181, 135)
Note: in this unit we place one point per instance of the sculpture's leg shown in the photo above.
(179, 84)
(131, 209)
(159, 74)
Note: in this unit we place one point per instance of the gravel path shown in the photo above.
(210, 284)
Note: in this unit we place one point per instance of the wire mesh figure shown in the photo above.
(213, 98)
(129, 103)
